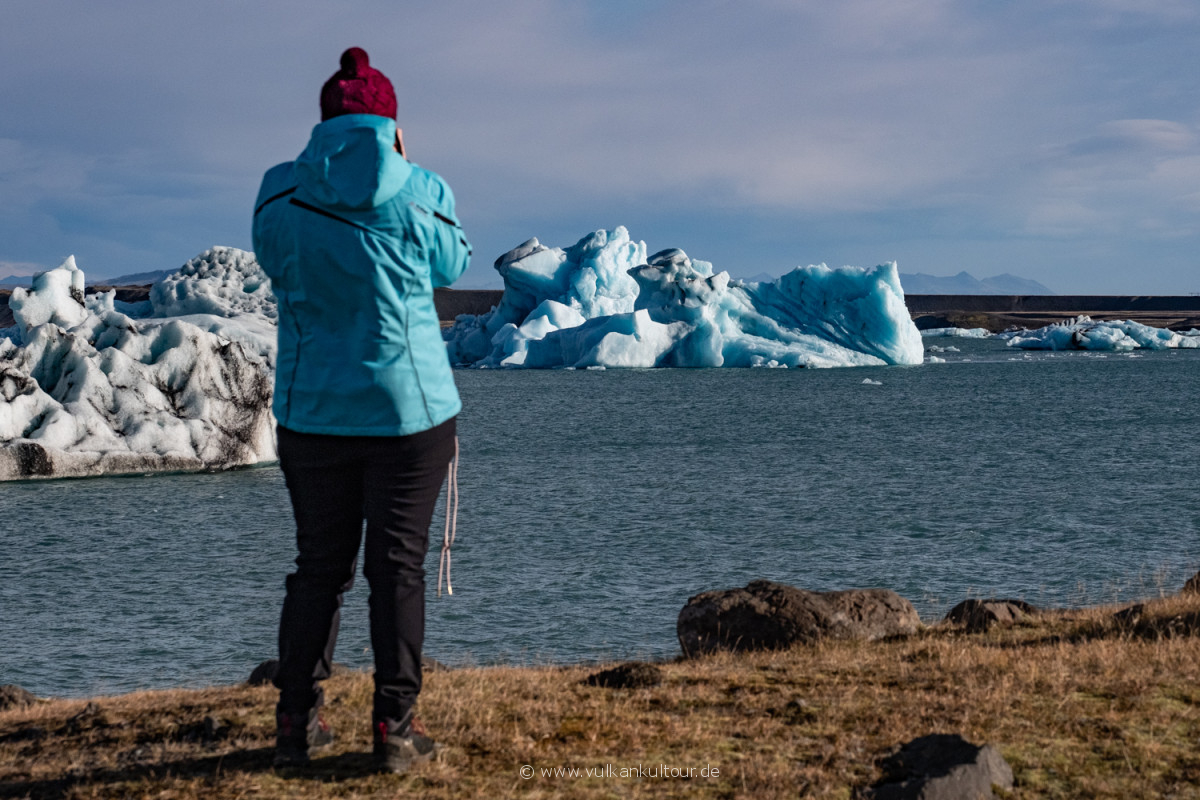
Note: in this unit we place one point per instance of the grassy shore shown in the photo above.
(1081, 704)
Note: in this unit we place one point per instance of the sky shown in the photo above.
(1057, 140)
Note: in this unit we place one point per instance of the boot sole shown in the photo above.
(399, 766)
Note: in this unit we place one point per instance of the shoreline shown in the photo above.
(929, 619)
(994, 312)
(1098, 702)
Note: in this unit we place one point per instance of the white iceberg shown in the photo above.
(603, 303)
(960, 333)
(1084, 333)
(181, 382)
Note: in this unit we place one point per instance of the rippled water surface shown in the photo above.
(594, 503)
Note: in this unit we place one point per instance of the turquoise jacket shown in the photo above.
(354, 238)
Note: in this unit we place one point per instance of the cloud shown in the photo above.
(144, 136)
(817, 114)
(1132, 177)
(1135, 135)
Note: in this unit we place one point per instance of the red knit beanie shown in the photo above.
(357, 88)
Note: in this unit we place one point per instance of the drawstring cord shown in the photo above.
(451, 522)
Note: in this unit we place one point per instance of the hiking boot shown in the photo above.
(297, 734)
(400, 745)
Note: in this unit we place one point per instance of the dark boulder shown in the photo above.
(941, 766)
(264, 674)
(1193, 585)
(213, 729)
(1129, 617)
(13, 696)
(1139, 620)
(979, 615)
(633, 675)
(767, 616)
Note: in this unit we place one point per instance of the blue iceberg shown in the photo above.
(604, 303)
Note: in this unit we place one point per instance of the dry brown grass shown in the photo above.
(1080, 705)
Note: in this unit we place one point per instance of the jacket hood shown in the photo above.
(350, 162)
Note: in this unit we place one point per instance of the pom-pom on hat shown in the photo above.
(357, 88)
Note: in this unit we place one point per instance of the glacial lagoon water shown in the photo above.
(594, 503)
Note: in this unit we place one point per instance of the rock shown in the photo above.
(214, 728)
(264, 673)
(979, 615)
(633, 675)
(1193, 585)
(1137, 620)
(13, 696)
(941, 766)
(1131, 616)
(766, 615)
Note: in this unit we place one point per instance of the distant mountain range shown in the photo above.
(966, 283)
(134, 279)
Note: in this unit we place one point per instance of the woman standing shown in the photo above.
(354, 237)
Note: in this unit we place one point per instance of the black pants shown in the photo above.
(335, 483)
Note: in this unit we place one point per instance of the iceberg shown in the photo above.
(958, 333)
(180, 382)
(1084, 333)
(603, 303)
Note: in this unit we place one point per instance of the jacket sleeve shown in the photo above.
(277, 185)
(451, 252)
